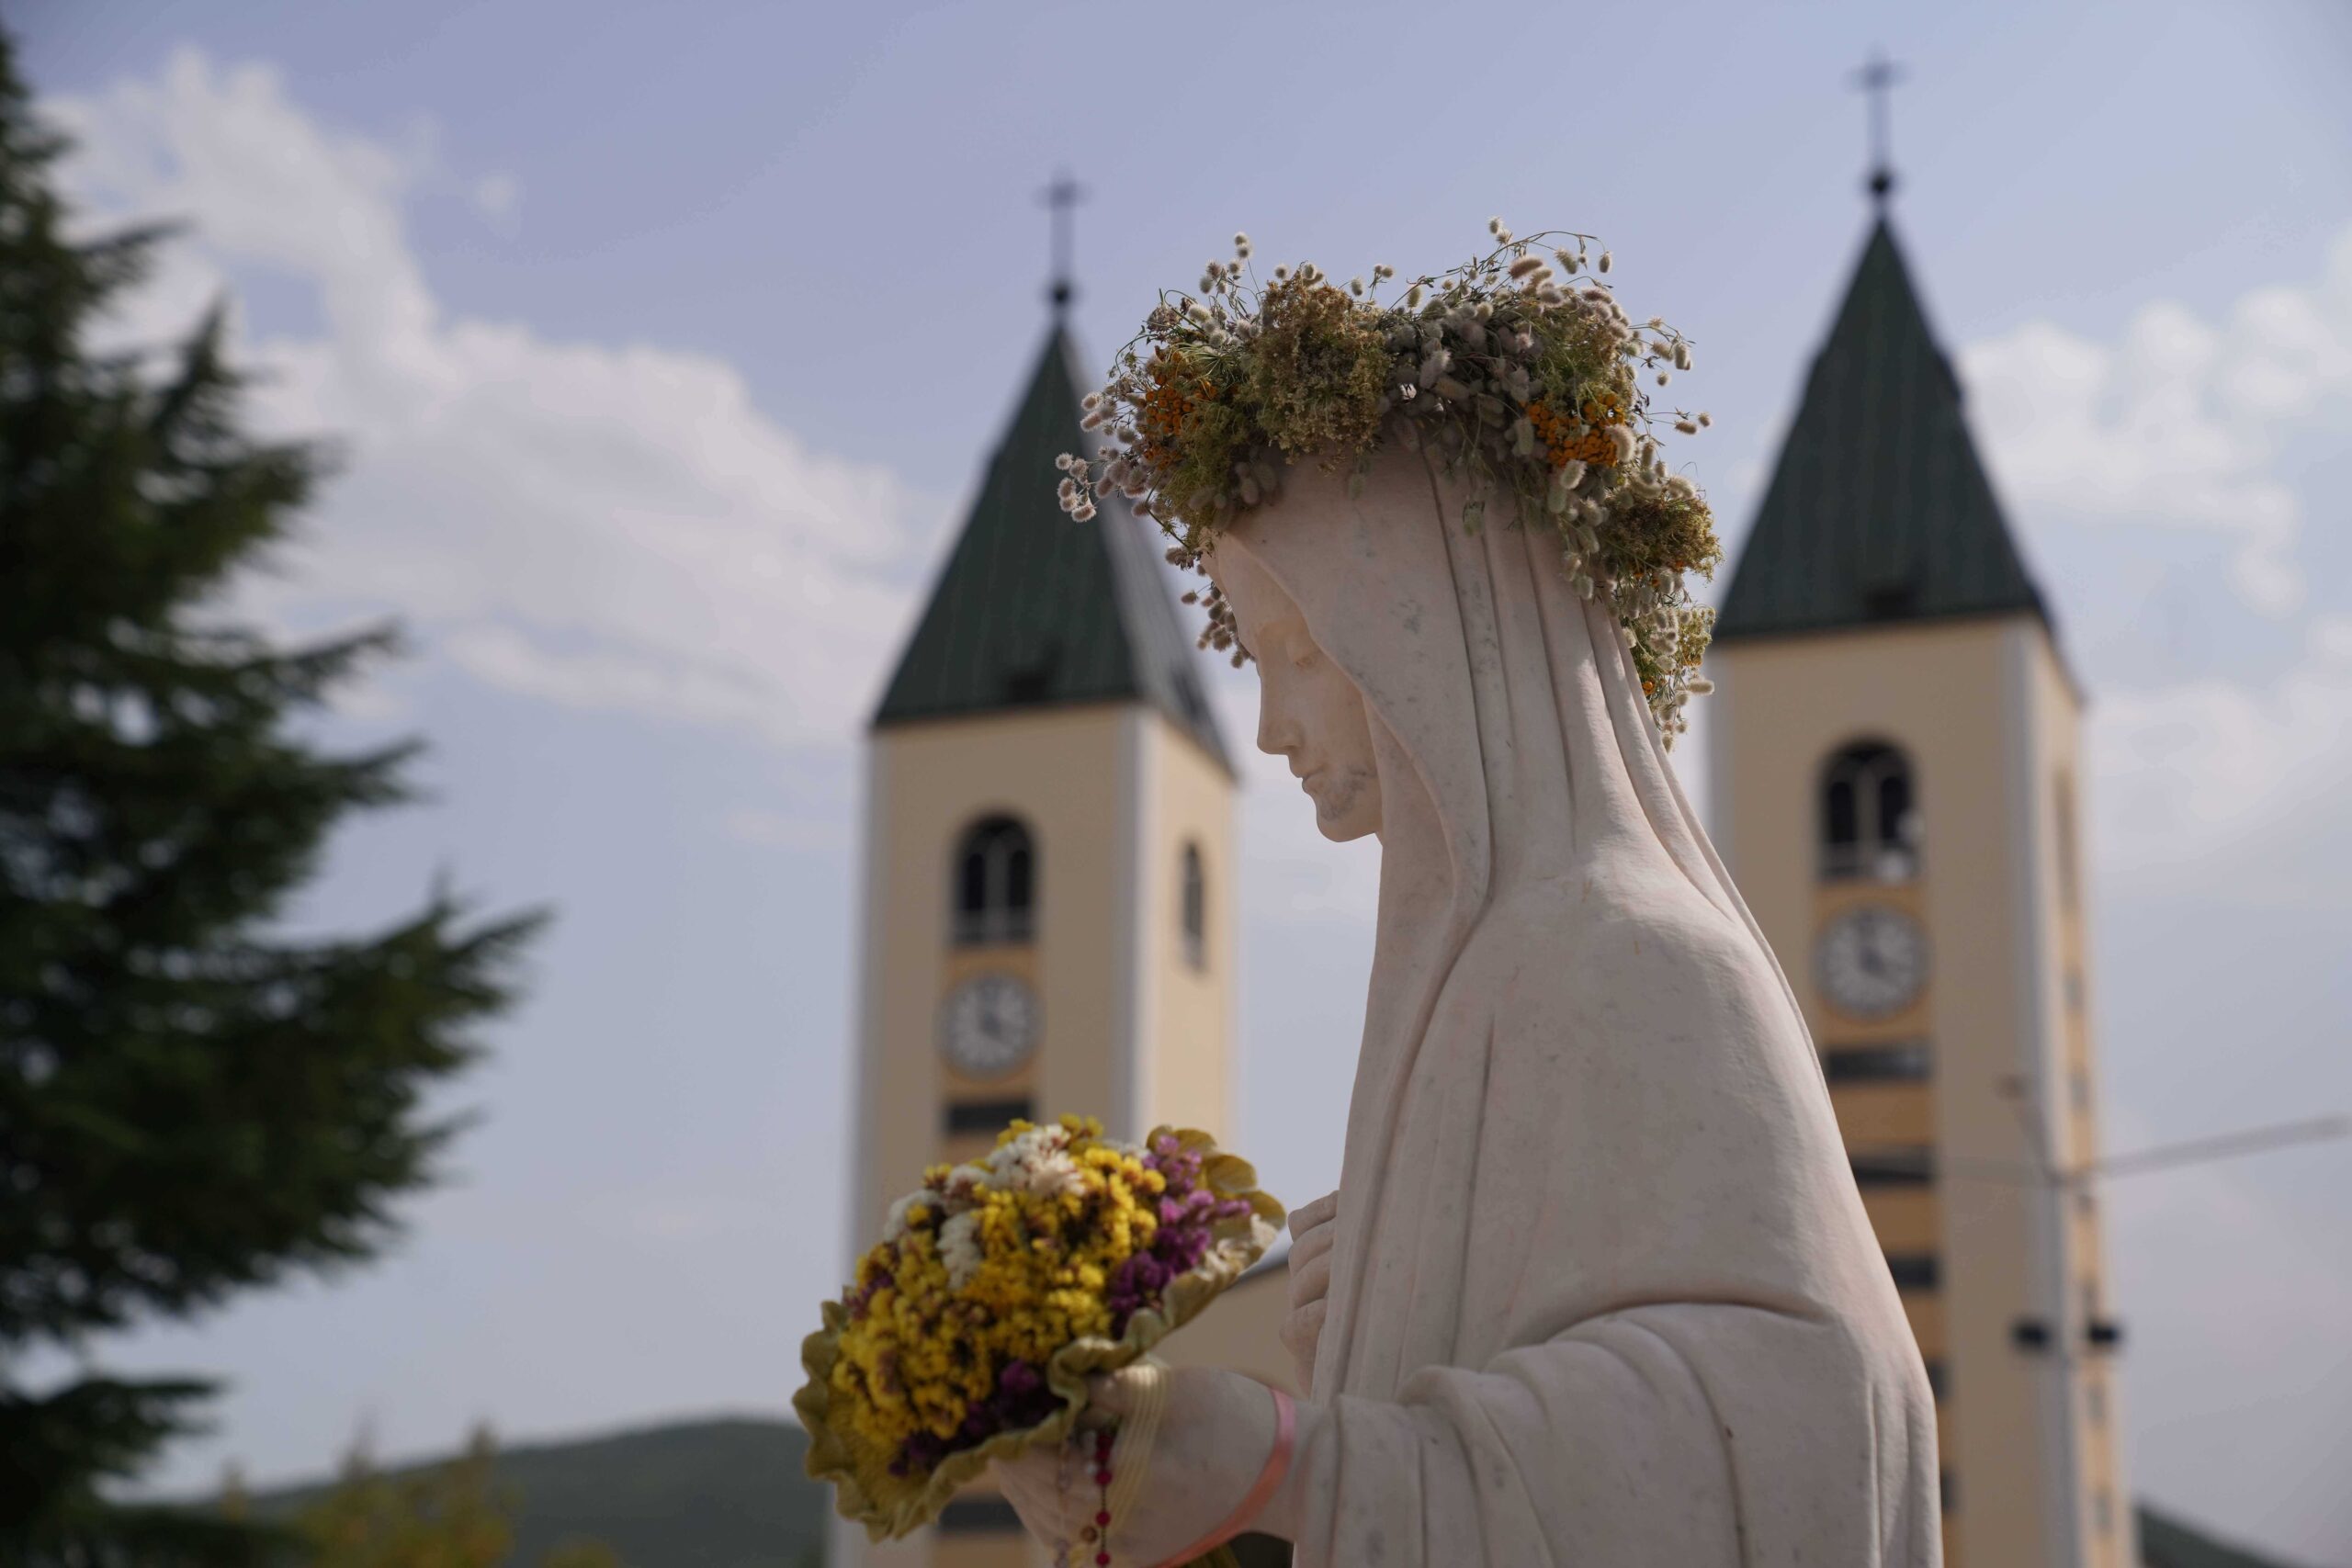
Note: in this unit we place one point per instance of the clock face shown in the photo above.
(989, 1026)
(1872, 961)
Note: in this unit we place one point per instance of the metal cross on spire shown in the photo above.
(1877, 78)
(1062, 197)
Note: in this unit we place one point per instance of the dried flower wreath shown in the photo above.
(1524, 384)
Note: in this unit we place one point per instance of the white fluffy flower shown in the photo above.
(1055, 1175)
(895, 1224)
(1036, 1161)
(959, 1248)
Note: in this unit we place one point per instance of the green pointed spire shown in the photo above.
(1880, 510)
(1033, 609)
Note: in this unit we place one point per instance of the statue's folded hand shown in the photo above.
(1313, 1228)
(1212, 1440)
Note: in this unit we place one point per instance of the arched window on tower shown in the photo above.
(1869, 815)
(1195, 912)
(996, 883)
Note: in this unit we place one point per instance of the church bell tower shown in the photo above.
(1896, 780)
(1049, 865)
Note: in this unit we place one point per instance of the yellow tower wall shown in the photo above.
(1132, 1029)
(1183, 1051)
(1985, 712)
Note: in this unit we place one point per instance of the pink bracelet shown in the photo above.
(1270, 1481)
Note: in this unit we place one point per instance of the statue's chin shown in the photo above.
(1340, 826)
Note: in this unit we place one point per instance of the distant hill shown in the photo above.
(730, 1493)
(2165, 1542)
(715, 1494)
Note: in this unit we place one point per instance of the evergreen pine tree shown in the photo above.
(192, 1102)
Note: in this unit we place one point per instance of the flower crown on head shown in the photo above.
(1525, 385)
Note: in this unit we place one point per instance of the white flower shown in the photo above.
(1054, 1175)
(962, 1186)
(895, 1224)
(1606, 258)
(959, 1249)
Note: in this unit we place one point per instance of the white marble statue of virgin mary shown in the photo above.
(1596, 1289)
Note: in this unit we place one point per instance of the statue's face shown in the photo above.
(1308, 711)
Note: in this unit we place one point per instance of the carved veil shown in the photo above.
(1602, 1292)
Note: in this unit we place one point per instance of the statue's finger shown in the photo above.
(1311, 1279)
(1316, 1247)
(1304, 1326)
(1306, 1216)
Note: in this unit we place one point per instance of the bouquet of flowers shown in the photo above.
(998, 1287)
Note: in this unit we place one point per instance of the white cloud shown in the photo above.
(2179, 422)
(494, 197)
(2190, 771)
(613, 527)
(2183, 423)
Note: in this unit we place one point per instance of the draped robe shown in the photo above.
(1603, 1293)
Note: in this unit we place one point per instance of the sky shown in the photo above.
(662, 347)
